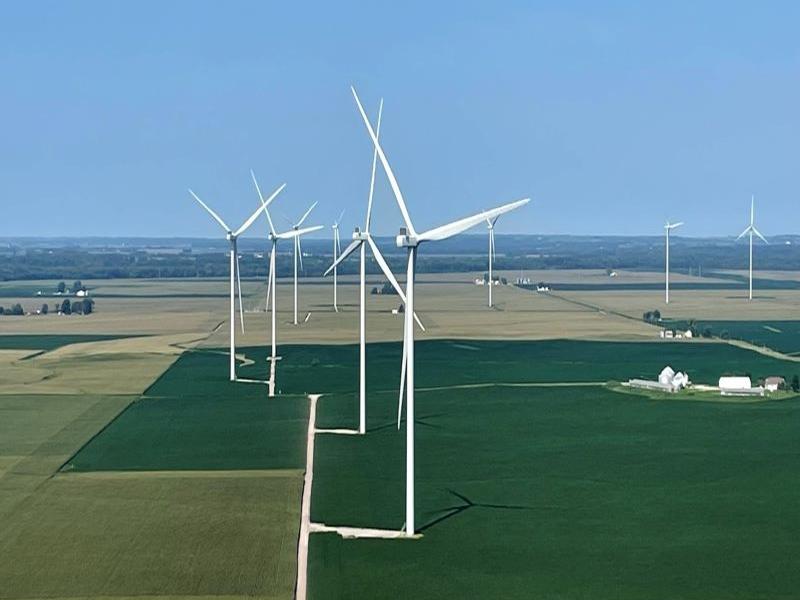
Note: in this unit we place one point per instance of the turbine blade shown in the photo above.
(217, 218)
(388, 169)
(402, 380)
(249, 221)
(300, 253)
(676, 225)
(752, 210)
(269, 279)
(758, 233)
(374, 168)
(339, 220)
(745, 232)
(390, 276)
(305, 215)
(266, 203)
(286, 235)
(239, 289)
(343, 255)
(456, 227)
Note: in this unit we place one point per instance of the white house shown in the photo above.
(773, 384)
(82, 293)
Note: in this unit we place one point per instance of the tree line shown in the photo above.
(84, 306)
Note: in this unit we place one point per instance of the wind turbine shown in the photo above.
(410, 239)
(232, 236)
(337, 249)
(274, 236)
(490, 223)
(362, 239)
(667, 228)
(751, 229)
(298, 249)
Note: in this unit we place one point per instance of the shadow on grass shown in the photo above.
(466, 504)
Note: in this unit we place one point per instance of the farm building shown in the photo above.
(668, 381)
(773, 384)
(738, 386)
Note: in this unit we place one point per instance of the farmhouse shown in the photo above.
(773, 384)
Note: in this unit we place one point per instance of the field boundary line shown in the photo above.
(181, 474)
(133, 399)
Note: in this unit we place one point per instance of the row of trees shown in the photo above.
(77, 286)
(67, 307)
(14, 310)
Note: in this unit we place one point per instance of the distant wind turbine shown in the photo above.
(667, 228)
(298, 249)
(410, 239)
(232, 236)
(751, 229)
(491, 223)
(274, 236)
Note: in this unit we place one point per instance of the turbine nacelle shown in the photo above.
(360, 236)
(404, 240)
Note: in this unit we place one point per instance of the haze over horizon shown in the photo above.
(612, 118)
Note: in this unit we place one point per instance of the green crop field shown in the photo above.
(49, 342)
(177, 535)
(332, 369)
(194, 418)
(562, 493)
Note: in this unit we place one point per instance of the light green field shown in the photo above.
(179, 535)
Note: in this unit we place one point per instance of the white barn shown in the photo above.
(738, 386)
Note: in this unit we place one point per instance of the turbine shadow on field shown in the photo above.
(420, 420)
(452, 511)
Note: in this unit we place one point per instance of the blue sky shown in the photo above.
(613, 116)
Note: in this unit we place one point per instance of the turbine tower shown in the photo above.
(274, 236)
(490, 224)
(362, 239)
(337, 249)
(751, 229)
(410, 239)
(232, 236)
(667, 228)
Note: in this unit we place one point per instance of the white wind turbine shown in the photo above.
(298, 249)
(362, 239)
(667, 228)
(410, 239)
(274, 236)
(337, 249)
(751, 229)
(232, 236)
(490, 224)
